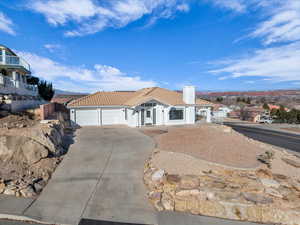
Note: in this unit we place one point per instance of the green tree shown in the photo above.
(248, 101)
(46, 90)
(266, 106)
(219, 99)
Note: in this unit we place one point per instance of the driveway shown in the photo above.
(101, 178)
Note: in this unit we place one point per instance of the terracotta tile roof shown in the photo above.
(65, 99)
(133, 98)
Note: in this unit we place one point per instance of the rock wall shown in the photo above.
(250, 195)
(28, 157)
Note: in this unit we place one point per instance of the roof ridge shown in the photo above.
(82, 98)
(151, 90)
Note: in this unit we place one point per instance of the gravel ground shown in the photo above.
(212, 143)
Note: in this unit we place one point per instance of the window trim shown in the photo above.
(177, 109)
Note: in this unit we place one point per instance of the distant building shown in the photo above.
(221, 111)
(252, 114)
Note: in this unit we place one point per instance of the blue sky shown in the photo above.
(92, 45)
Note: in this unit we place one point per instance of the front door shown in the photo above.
(148, 118)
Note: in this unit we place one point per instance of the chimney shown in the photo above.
(189, 95)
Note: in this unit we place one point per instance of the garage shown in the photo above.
(112, 116)
(87, 117)
(99, 116)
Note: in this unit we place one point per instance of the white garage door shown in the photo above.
(87, 117)
(112, 116)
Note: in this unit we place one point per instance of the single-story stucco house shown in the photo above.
(148, 106)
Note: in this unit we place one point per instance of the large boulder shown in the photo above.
(21, 149)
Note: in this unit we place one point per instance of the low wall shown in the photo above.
(51, 110)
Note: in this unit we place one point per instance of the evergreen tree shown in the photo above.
(46, 90)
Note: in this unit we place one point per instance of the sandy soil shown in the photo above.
(211, 143)
(185, 164)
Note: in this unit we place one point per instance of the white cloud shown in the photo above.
(6, 24)
(250, 82)
(93, 16)
(275, 63)
(235, 5)
(101, 77)
(282, 23)
(52, 47)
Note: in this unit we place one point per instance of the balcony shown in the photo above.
(10, 86)
(12, 61)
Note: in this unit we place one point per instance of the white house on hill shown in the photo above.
(148, 106)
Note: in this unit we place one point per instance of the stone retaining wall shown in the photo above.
(257, 195)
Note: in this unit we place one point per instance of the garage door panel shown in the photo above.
(87, 117)
(112, 116)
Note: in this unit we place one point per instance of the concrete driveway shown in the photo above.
(101, 178)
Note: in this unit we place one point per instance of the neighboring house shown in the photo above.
(221, 111)
(14, 72)
(65, 99)
(252, 114)
(15, 94)
(148, 106)
(272, 107)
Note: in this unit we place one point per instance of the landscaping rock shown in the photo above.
(291, 162)
(154, 196)
(173, 179)
(9, 191)
(189, 182)
(2, 187)
(34, 151)
(192, 192)
(38, 187)
(28, 192)
(257, 198)
(167, 202)
(269, 183)
(158, 175)
(273, 192)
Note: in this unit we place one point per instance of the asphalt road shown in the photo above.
(276, 138)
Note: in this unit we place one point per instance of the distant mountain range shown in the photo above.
(61, 92)
(251, 93)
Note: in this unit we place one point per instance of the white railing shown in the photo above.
(10, 86)
(14, 61)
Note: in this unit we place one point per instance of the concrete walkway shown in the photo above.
(101, 179)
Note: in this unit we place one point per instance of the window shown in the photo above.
(148, 115)
(148, 105)
(176, 114)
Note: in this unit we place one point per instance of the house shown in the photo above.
(15, 93)
(14, 72)
(221, 111)
(252, 114)
(65, 99)
(148, 106)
